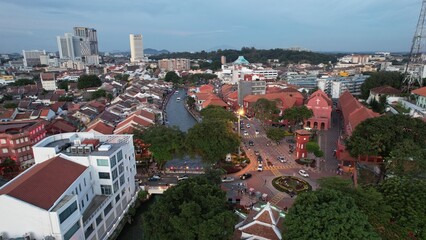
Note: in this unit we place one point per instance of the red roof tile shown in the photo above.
(386, 90)
(420, 91)
(44, 183)
(101, 127)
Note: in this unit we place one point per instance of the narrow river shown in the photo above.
(178, 116)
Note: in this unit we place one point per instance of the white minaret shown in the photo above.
(136, 48)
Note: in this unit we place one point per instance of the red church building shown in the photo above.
(321, 106)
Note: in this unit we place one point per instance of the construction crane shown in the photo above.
(415, 67)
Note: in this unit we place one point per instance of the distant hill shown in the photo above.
(152, 51)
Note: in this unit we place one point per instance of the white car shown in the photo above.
(246, 133)
(227, 179)
(248, 125)
(184, 177)
(260, 168)
(281, 159)
(257, 132)
(303, 173)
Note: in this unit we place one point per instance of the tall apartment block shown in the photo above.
(69, 46)
(32, 57)
(88, 40)
(136, 48)
(80, 188)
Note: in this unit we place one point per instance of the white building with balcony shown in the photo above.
(80, 188)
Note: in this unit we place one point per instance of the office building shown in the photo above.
(136, 48)
(81, 187)
(337, 86)
(69, 47)
(32, 57)
(88, 40)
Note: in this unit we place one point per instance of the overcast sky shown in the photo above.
(193, 25)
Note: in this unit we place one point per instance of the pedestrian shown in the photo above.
(265, 182)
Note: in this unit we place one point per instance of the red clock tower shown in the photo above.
(302, 137)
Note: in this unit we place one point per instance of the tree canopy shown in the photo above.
(217, 113)
(88, 81)
(377, 79)
(266, 110)
(98, 94)
(164, 142)
(407, 198)
(198, 78)
(22, 82)
(212, 140)
(275, 134)
(253, 55)
(385, 135)
(194, 209)
(296, 115)
(172, 77)
(326, 214)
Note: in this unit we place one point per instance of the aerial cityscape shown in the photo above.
(213, 120)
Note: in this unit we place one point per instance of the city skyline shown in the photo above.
(376, 25)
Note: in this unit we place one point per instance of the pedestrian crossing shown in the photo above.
(277, 167)
(277, 198)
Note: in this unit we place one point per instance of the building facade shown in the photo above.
(69, 47)
(177, 64)
(88, 40)
(48, 81)
(80, 188)
(32, 57)
(321, 106)
(335, 87)
(136, 48)
(17, 138)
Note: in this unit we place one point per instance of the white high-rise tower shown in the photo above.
(136, 48)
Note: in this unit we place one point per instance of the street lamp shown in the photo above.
(240, 112)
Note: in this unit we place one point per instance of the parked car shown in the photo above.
(154, 178)
(281, 159)
(245, 176)
(259, 159)
(251, 143)
(260, 168)
(248, 125)
(303, 173)
(246, 133)
(184, 177)
(228, 179)
(256, 152)
(257, 131)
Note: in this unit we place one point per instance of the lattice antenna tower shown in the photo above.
(416, 60)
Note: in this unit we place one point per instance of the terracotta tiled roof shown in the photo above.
(60, 126)
(420, 91)
(214, 102)
(44, 183)
(386, 90)
(206, 88)
(23, 116)
(101, 127)
(57, 105)
(203, 96)
(44, 112)
(261, 230)
(47, 76)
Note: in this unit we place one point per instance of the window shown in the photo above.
(120, 155)
(72, 230)
(3, 141)
(67, 212)
(117, 198)
(104, 175)
(79, 187)
(113, 161)
(120, 168)
(99, 219)
(114, 174)
(116, 186)
(102, 162)
(5, 150)
(89, 231)
(122, 180)
(82, 204)
(76, 191)
(84, 181)
(106, 189)
(107, 209)
(90, 174)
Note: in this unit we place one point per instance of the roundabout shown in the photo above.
(291, 185)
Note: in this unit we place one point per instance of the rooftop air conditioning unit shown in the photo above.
(87, 149)
(77, 141)
(74, 149)
(80, 149)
